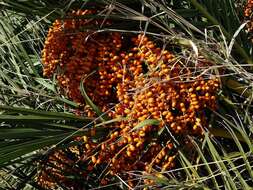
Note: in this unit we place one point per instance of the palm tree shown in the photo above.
(44, 130)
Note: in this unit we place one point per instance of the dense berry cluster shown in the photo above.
(58, 162)
(165, 91)
(73, 53)
(248, 14)
(136, 81)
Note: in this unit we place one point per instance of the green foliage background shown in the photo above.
(35, 120)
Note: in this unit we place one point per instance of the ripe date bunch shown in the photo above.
(137, 81)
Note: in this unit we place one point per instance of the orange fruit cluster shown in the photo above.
(248, 15)
(165, 91)
(73, 52)
(135, 80)
(58, 162)
(248, 8)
